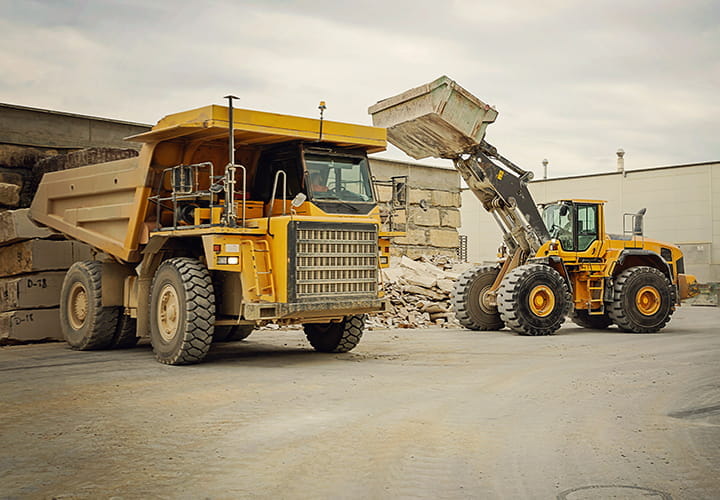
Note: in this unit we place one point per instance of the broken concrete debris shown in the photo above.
(419, 292)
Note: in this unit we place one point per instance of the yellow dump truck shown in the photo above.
(227, 220)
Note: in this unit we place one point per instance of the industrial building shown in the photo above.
(682, 202)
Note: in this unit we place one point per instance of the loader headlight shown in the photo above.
(228, 261)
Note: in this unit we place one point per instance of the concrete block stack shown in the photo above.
(16, 174)
(33, 262)
(419, 293)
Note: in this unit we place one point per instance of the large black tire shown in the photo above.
(85, 323)
(534, 299)
(592, 321)
(470, 300)
(182, 311)
(126, 333)
(232, 333)
(336, 337)
(643, 300)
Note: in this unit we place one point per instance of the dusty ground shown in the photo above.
(409, 414)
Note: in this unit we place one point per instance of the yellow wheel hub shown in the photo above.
(168, 312)
(542, 300)
(77, 306)
(648, 300)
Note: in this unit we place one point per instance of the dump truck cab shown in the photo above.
(228, 219)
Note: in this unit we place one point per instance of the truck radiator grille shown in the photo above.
(336, 261)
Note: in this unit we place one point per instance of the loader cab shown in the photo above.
(575, 224)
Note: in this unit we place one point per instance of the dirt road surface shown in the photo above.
(409, 414)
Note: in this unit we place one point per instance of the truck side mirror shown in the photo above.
(399, 191)
(298, 200)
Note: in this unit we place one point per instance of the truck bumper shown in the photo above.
(312, 310)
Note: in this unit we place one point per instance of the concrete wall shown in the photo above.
(433, 214)
(42, 128)
(683, 207)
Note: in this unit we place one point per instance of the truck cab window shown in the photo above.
(341, 178)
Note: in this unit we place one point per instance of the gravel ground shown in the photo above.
(436, 413)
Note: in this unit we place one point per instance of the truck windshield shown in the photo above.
(334, 178)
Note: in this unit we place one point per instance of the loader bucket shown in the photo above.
(439, 119)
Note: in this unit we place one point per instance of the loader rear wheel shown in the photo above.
(336, 337)
(643, 300)
(182, 311)
(592, 321)
(474, 308)
(85, 323)
(231, 333)
(534, 299)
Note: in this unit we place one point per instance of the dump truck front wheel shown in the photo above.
(642, 300)
(534, 299)
(85, 323)
(231, 333)
(336, 337)
(592, 321)
(474, 307)
(182, 311)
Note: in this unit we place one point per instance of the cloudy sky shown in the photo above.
(573, 80)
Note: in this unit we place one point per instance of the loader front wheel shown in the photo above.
(336, 337)
(182, 311)
(534, 299)
(474, 307)
(593, 321)
(85, 323)
(642, 300)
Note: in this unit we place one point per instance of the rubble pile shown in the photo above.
(419, 293)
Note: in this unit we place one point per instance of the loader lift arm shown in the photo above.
(501, 186)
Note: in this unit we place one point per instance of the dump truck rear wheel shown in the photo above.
(85, 323)
(126, 333)
(182, 311)
(336, 337)
(592, 321)
(474, 308)
(642, 300)
(534, 299)
(231, 333)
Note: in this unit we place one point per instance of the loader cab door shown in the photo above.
(587, 226)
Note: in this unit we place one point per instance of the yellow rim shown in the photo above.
(648, 300)
(542, 300)
(168, 312)
(77, 306)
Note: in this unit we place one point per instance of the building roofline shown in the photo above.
(72, 115)
(646, 169)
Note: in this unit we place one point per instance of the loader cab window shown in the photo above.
(559, 220)
(587, 226)
(342, 180)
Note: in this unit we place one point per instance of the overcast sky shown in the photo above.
(572, 80)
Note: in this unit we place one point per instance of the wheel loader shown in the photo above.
(556, 259)
(228, 219)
